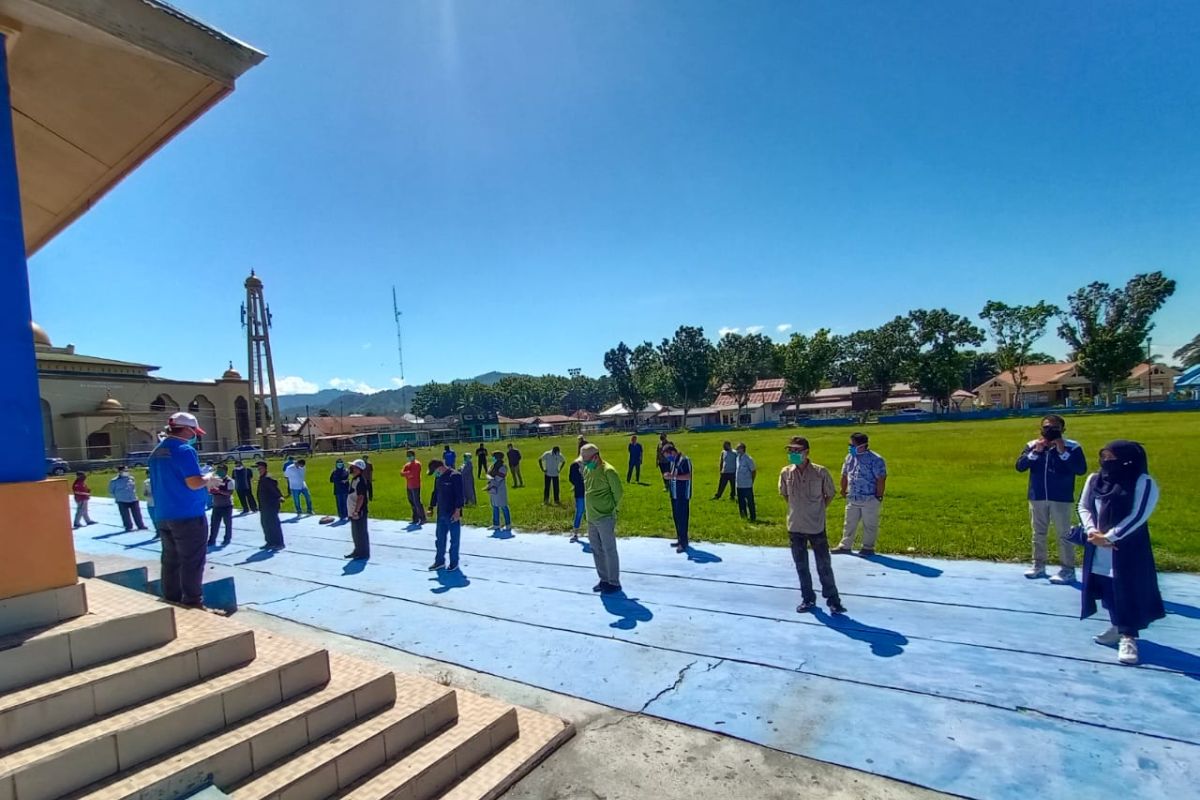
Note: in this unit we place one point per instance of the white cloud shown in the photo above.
(294, 385)
(398, 382)
(352, 385)
(783, 327)
(754, 328)
(724, 331)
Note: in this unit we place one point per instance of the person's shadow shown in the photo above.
(291, 520)
(629, 610)
(110, 535)
(702, 556)
(151, 540)
(261, 555)
(448, 580)
(884, 643)
(354, 566)
(339, 523)
(412, 526)
(585, 546)
(1182, 610)
(1159, 655)
(904, 565)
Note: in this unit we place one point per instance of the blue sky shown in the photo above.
(543, 179)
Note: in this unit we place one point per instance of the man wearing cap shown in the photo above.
(602, 495)
(270, 498)
(808, 490)
(448, 499)
(179, 492)
(356, 503)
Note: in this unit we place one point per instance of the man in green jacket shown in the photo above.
(602, 494)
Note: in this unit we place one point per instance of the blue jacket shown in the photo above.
(447, 493)
(1052, 474)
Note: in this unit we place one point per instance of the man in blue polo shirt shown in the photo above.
(179, 492)
(864, 478)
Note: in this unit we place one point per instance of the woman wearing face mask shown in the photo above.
(1118, 562)
(497, 489)
(340, 478)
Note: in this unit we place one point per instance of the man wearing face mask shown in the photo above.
(179, 492)
(340, 478)
(412, 476)
(1053, 463)
(864, 478)
(220, 492)
(602, 495)
(448, 498)
(808, 490)
(679, 483)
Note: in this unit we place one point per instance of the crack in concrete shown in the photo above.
(289, 597)
(678, 681)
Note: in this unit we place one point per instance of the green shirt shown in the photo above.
(602, 491)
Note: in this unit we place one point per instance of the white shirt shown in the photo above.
(295, 477)
(1145, 498)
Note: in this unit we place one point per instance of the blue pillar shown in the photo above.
(22, 458)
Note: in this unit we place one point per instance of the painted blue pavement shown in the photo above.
(960, 676)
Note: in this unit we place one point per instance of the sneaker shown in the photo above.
(842, 551)
(599, 587)
(453, 567)
(1064, 577)
(673, 543)
(1127, 651)
(680, 548)
(574, 538)
(1109, 637)
(806, 606)
(436, 566)
(836, 607)
(1035, 572)
(867, 551)
(611, 588)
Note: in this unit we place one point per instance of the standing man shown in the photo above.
(357, 499)
(448, 455)
(728, 466)
(220, 489)
(661, 460)
(270, 498)
(808, 490)
(448, 495)
(635, 459)
(298, 484)
(340, 478)
(179, 492)
(243, 482)
(551, 462)
(124, 490)
(412, 480)
(602, 496)
(679, 483)
(82, 495)
(514, 466)
(864, 478)
(481, 460)
(575, 477)
(1053, 464)
(745, 474)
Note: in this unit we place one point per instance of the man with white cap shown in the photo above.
(602, 495)
(356, 503)
(179, 493)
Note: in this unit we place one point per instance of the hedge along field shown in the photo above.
(952, 488)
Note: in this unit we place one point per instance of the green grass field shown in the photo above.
(952, 487)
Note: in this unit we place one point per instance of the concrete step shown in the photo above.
(540, 735)
(205, 646)
(68, 762)
(422, 709)
(356, 690)
(114, 627)
(484, 727)
(42, 608)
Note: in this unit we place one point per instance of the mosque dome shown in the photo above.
(40, 337)
(231, 374)
(109, 405)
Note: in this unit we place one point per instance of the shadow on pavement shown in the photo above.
(702, 556)
(884, 643)
(354, 566)
(916, 568)
(448, 580)
(630, 611)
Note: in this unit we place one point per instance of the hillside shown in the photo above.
(385, 403)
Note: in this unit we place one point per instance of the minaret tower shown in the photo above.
(260, 372)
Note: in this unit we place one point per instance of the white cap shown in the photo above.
(182, 419)
(358, 462)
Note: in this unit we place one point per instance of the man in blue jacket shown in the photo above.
(1053, 463)
(448, 500)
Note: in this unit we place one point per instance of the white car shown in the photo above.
(245, 452)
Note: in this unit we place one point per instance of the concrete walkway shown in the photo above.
(959, 676)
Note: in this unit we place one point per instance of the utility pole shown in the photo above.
(260, 375)
(399, 334)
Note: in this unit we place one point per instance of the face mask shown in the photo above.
(222, 472)
(192, 441)
(590, 465)
(797, 458)
(1051, 433)
(1110, 469)
(340, 465)
(853, 450)
(410, 458)
(672, 458)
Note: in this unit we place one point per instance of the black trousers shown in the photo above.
(726, 480)
(550, 481)
(246, 499)
(820, 547)
(218, 514)
(681, 512)
(745, 498)
(183, 543)
(362, 539)
(634, 468)
(418, 510)
(272, 528)
(481, 467)
(131, 514)
(663, 467)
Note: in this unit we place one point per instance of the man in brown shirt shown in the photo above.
(808, 490)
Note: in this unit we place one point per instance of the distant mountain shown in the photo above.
(320, 398)
(493, 377)
(390, 402)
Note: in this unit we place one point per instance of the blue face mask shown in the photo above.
(192, 441)
(853, 449)
(671, 459)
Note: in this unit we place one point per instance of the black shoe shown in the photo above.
(806, 606)
(212, 542)
(679, 548)
(453, 567)
(351, 556)
(836, 607)
(674, 543)
(867, 551)
(600, 587)
(842, 551)
(436, 566)
(143, 528)
(611, 588)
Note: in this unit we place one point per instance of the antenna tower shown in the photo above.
(260, 374)
(399, 335)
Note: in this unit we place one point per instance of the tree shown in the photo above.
(884, 356)
(620, 372)
(843, 370)
(739, 362)
(939, 362)
(1189, 354)
(978, 367)
(651, 374)
(1015, 329)
(687, 359)
(806, 362)
(1107, 328)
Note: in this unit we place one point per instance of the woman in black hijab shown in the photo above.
(1118, 563)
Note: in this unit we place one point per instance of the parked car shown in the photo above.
(295, 448)
(139, 458)
(244, 452)
(56, 466)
